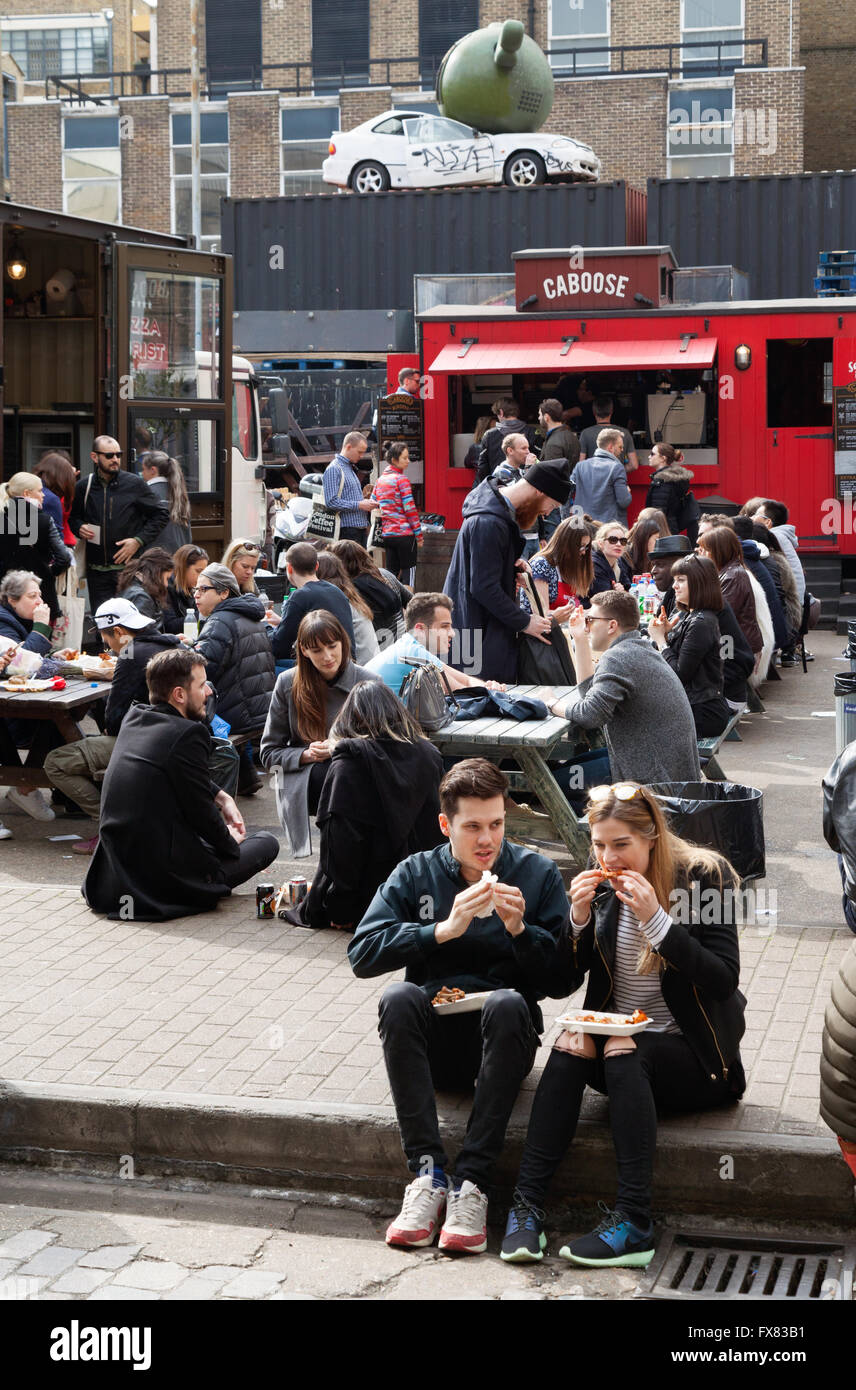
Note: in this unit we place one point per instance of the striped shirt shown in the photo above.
(352, 492)
(631, 991)
(394, 495)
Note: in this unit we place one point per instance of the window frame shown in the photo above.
(699, 151)
(285, 190)
(29, 26)
(78, 150)
(566, 40)
(208, 243)
(695, 35)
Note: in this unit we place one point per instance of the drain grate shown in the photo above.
(700, 1265)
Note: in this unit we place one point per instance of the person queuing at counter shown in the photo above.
(401, 529)
(589, 439)
(560, 441)
(305, 702)
(669, 490)
(683, 975)
(379, 803)
(611, 569)
(117, 515)
(518, 457)
(429, 635)
(171, 843)
(562, 572)
(738, 660)
(690, 643)
(440, 920)
(482, 577)
(507, 413)
(600, 483)
(632, 695)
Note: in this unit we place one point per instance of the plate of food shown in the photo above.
(26, 685)
(610, 1025)
(449, 1000)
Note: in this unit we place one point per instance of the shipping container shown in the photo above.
(774, 228)
(325, 252)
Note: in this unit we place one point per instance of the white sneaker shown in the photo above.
(419, 1218)
(465, 1227)
(33, 803)
(5, 832)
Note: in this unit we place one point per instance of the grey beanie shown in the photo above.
(221, 578)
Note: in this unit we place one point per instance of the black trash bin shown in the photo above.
(723, 816)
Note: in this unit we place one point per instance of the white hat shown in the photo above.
(120, 612)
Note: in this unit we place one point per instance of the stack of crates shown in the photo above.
(836, 274)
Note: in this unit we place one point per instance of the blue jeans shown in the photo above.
(595, 770)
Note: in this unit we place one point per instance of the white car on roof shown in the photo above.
(409, 149)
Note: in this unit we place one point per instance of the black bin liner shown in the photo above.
(723, 816)
(844, 683)
(850, 649)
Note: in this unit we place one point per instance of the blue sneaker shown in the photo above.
(524, 1238)
(615, 1241)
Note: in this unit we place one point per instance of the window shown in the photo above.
(437, 128)
(233, 44)
(244, 420)
(714, 21)
(305, 136)
(92, 167)
(583, 28)
(442, 23)
(214, 174)
(340, 44)
(798, 376)
(700, 136)
(61, 52)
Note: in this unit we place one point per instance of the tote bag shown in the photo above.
(324, 524)
(540, 663)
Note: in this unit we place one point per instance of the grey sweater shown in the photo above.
(282, 746)
(644, 712)
(601, 487)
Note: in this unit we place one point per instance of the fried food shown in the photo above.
(448, 994)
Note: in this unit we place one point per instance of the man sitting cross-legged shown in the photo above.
(445, 924)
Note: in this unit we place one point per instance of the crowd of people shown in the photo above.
(412, 854)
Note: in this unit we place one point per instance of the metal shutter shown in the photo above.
(441, 23)
(340, 44)
(233, 42)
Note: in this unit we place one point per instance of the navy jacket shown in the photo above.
(318, 593)
(397, 931)
(481, 585)
(755, 565)
(22, 632)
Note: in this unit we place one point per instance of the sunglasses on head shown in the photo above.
(249, 548)
(622, 791)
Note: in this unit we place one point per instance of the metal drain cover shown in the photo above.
(725, 1267)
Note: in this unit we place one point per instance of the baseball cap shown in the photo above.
(120, 612)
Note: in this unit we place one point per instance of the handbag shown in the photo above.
(424, 698)
(375, 540)
(324, 524)
(539, 663)
(70, 594)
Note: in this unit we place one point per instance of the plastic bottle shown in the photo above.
(191, 625)
(650, 596)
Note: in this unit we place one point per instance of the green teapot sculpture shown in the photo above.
(497, 80)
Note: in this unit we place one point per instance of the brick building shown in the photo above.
(829, 52)
(688, 88)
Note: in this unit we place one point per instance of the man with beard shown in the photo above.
(171, 842)
(482, 578)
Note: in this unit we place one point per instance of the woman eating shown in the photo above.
(611, 570)
(384, 773)
(304, 704)
(636, 931)
(690, 642)
(188, 562)
(562, 572)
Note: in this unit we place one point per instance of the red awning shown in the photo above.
(581, 356)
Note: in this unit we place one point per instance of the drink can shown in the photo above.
(265, 899)
(296, 890)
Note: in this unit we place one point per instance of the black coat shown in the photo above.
(239, 660)
(699, 979)
(562, 443)
(604, 575)
(29, 540)
(736, 668)
(173, 534)
(383, 599)
(481, 585)
(668, 491)
(379, 803)
(318, 593)
(177, 605)
(693, 652)
(162, 838)
(125, 507)
(755, 565)
(129, 680)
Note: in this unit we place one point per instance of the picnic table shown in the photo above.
(59, 708)
(529, 743)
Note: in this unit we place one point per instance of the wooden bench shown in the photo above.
(709, 747)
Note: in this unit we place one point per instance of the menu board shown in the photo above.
(399, 420)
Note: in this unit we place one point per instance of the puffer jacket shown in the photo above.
(668, 491)
(239, 660)
(838, 1059)
(737, 591)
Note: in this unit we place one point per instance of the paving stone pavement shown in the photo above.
(225, 1004)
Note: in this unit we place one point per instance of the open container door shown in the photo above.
(173, 366)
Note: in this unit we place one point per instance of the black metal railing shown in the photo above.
(303, 79)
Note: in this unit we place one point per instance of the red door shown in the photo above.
(800, 463)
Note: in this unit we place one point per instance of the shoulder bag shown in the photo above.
(540, 663)
(423, 696)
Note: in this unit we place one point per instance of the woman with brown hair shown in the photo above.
(647, 941)
(483, 424)
(690, 642)
(644, 534)
(562, 572)
(306, 700)
(330, 567)
(59, 476)
(382, 591)
(166, 480)
(188, 562)
(721, 544)
(143, 582)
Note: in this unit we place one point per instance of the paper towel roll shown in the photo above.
(60, 285)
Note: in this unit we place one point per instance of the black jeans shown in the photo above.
(494, 1048)
(360, 534)
(102, 586)
(663, 1071)
(401, 556)
(254, 854)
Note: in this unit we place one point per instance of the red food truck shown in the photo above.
(760, 396)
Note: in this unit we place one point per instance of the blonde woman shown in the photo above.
(242, 558)
(648, 941)
(29, 539)
(611, 570)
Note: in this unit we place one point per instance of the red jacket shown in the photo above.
(393, 494)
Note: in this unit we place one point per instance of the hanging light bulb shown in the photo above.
(17, 265)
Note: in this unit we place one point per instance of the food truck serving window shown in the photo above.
(798, 382)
